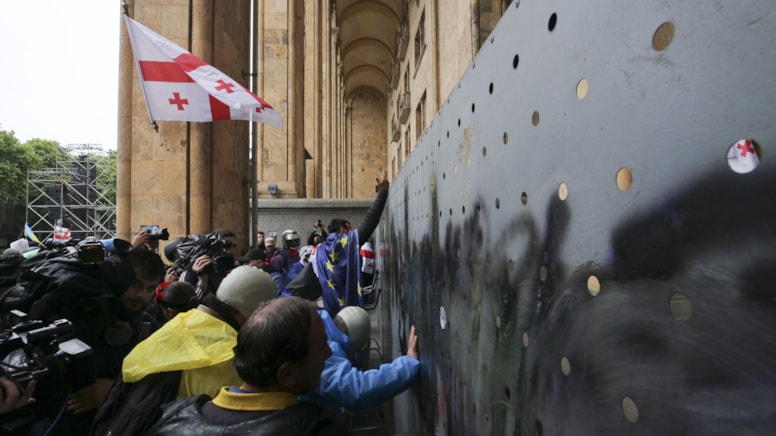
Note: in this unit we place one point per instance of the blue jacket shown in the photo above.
(342, 385)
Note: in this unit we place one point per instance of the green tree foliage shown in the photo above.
(106, 175)
(15, 161)
(49, 152)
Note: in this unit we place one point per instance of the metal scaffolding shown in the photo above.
(75, 194)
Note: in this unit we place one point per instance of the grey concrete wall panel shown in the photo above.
(302, 214)
(570, 237)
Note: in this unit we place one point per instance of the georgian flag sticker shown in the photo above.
(742, 156)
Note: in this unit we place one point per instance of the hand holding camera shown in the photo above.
(12, 397)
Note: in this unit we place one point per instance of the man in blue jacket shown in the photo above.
(343, 385)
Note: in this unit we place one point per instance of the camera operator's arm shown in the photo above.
(141, 239)
(201, 267)
(11, 397)
(90, 397)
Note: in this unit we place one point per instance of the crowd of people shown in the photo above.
(268, 340)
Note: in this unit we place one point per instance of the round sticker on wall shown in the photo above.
(743, 156)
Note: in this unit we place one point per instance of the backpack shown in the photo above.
(132, 408)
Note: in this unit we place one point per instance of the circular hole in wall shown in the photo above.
(451, 211)
(515, 61)
(663, 36)
(681, 308)
(563, 191)
(506, 138)
(498, 203)
(743, 156)
(593, 285)
(463, 210)
(524, 198)
(630, 410)
(535, 118)
(565, 366)
(459, 122)
(552, 22)
(484, 151)
(472, 107)
(490, 88)
(624, 179)
(582, 88)
(448, 133)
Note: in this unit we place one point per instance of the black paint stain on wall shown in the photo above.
(712, 372)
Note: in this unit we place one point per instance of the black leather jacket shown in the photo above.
(197, 416)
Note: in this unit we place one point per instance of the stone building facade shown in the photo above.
(356, 83)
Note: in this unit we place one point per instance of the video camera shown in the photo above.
(212, 245)
(156, 234)
(48, 353)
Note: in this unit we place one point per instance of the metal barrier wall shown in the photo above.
(584, 236)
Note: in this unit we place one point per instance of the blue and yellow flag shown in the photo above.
(28, 232)
(338, 271)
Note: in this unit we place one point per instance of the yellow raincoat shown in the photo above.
(195, 342)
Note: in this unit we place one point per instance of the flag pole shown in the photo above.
(137, 64)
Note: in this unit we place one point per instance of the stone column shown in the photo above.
(200, 134)
(127, 71)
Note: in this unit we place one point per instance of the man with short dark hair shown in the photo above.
(255, 258)
(280, 354)
(189, 355)
(117, 290)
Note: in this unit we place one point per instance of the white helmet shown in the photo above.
(290, 239)
(359, 326)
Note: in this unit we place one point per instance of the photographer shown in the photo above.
(208, 270)
(12, 398)
(115, 293)
(148, 238)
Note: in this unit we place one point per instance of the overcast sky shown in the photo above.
(59, 74)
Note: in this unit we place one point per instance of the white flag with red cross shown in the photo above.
(61, 233)
(178, 86)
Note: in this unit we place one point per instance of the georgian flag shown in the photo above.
(178, 86)
(61, 233)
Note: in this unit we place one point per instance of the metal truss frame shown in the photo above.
(83, 187)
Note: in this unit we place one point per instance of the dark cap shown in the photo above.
(253, 254)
